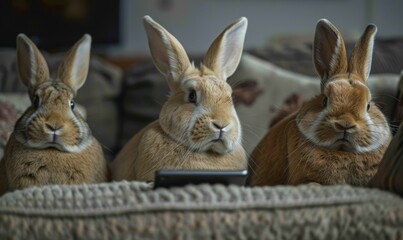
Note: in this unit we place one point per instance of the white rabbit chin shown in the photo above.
(59, 145)
(221, 147)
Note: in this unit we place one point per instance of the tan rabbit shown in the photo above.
(51, 142)
(339, 136)
(198, 127)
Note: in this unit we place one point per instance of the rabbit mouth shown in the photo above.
(344, 145)
(221, 145)
(218, 141)
(52, 141)
(220, 138)
(46, 145)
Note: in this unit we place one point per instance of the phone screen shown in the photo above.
(177, 178)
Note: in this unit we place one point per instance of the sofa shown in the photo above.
(269, 83)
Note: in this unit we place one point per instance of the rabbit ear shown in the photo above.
(361, 56)
(224, 54)
(329, 52)
(31, 65)
(167, 53)
(74, 69)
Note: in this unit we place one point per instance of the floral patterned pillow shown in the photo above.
(261, 90)
(12, 106)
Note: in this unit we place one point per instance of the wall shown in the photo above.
(197, 22)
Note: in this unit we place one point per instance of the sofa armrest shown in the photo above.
(132, 209)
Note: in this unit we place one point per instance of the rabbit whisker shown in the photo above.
(107, 148)
(386, 95)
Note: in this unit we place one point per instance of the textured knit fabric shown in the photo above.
(128, 210)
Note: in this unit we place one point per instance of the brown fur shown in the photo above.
(390, 171)
(185, 136)
(51, 142)
(284, 156)
(26, 167)
(328, 142)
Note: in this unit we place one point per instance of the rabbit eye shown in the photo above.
(368, 107)
(72, 105)
(192, 97)
(36, 102)
(324, 103)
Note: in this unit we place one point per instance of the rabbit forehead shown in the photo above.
(347, 89)
(207, 84)
(54, 92)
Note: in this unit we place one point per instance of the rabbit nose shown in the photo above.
(220, 126)
(345, 126)
(53, 127)
(54, 122)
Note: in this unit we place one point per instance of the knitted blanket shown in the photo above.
(127, 210)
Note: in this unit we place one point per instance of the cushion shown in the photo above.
(132, 210)
(12, 106)
(98, 95)
(276, 84)
(144, 92)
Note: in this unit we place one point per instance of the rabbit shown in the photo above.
(198, 127)
(390, 171)
(51, 142)
(337, 137)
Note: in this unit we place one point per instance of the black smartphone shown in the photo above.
(178, 178)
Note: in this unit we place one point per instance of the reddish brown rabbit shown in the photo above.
(339, 136)
(51, 142)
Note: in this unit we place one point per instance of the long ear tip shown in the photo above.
(324, 23)
(324, 26)
(149, 24)
(22, 38)
(241, 25)
(147, 20)
(243, 21)
(372, 28)
(86, 39)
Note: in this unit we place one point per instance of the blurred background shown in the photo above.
(116, 26)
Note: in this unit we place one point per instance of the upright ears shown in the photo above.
(33, 70)
(74, 68)
(171, 59)
(225, 52)
(167, 53)
(31, 65)
(329, 52)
